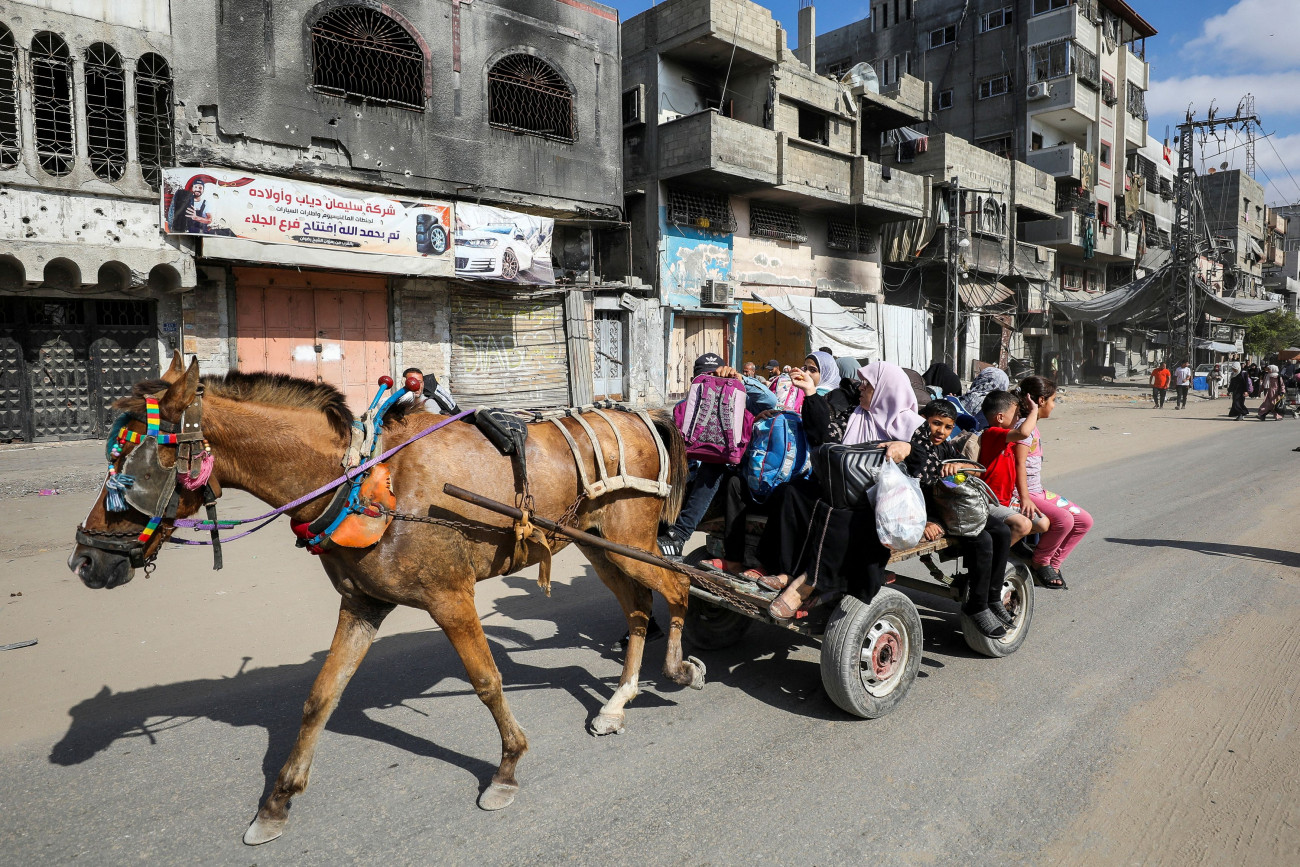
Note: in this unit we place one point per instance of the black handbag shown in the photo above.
(964, 506)
(846, 473)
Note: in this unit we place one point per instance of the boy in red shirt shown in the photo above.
(1006, 474)
(1159, 385)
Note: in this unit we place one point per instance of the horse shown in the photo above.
(279, 438)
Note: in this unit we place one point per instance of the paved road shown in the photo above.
(992, 760)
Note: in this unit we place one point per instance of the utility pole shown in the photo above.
(1184, 312)
(954, 255)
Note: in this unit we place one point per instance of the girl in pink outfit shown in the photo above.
(1069, 521)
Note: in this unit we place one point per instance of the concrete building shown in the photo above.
(1236, 218)
(512, 105)
(1282, 254)
(746, 173)
(90, 290)
(1058, 84)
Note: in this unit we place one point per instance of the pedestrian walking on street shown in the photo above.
(1212, 382)
(1159, 385)
(1182, 383)
(1238, 387)
(1272, 391)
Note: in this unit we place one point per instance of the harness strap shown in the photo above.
(577, 456)
(618, 438)
(602, 487)
(663, 488)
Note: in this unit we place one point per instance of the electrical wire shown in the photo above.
(1281, 162)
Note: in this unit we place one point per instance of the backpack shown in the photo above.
(714, 421)
(778, 452)
(787, 396)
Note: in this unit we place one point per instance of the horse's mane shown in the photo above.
(272, 389)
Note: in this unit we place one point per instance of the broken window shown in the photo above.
(1085, 66)
(1137, 101)
(1050, 60)
(942, 100)
(1002, 146)
(812, 126)
(701, 210)
(943, 36)
(10, 143)
(990, 217)
(1108, 90)
(774, 221)
(105, 112)
(154, 117)
(527, 95)
(997, 18)
(360, 53)
(52, 103)
(844, 235)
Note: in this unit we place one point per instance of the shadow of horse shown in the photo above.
(1219, 549)
(398, 670)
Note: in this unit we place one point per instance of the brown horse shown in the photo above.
(280, 438)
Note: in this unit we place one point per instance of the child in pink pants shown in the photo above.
(1069, 521)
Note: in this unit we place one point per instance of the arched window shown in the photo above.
(153, 117)
(360, 52)
(527, 95)
(52, 103)
(10, 141)
(105, 112)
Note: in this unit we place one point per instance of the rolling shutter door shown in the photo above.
(508, 351)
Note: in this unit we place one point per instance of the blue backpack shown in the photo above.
(778, 452)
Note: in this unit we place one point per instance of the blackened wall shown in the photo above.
(243, 71)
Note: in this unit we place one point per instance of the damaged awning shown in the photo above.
(1149, 296)
(1235, 308)
(828, 324)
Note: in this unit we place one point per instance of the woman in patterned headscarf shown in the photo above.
(989, 379)
(848, 553)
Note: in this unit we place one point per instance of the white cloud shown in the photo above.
(1251, 34)
(1276, 94)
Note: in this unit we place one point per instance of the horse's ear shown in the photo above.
(180, 393)
(177, 367)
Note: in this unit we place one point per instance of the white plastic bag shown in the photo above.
(900, 508)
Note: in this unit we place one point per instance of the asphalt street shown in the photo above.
(990, 760)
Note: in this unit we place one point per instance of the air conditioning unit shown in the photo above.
(1038, 90)
(717, 293)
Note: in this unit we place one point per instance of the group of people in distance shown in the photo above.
(933, 430)
(1240, 381)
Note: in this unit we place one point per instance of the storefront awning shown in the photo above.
(828, 324)
(1147, 297)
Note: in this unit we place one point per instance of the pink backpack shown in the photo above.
(714, 421)
(787, 395)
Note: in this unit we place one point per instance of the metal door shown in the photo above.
(13, 373)
(124, 351)
(607, 366)
(508, 351)
(57, 351)
(692, 337)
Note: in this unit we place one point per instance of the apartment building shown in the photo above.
(1237, 222)
(1282, 255)
(746, 174)
(1058, 84)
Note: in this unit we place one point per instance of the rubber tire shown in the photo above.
(841, 660)
(712, 627)
(977, 641)
(509, 265)
(438, 240)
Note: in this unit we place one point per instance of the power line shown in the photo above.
(1281, 163)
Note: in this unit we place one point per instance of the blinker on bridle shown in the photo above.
(149, 487)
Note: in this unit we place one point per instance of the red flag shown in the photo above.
(1168, 154)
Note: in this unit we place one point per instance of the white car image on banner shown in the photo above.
(497, 244)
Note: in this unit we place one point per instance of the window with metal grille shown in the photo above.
(844, 235)
(527, 95)
(1086, 67)
(52, 103)
(995, 86)
(774, 221)
(105, 112)
(154, 117)
(1137, 101)
(122, 313)
(990, 218)
(701, 210)
(10, 143)
(359, 52)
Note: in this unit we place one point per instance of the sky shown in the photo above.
(1205, 49)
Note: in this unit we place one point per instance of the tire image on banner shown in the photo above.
(508, 351)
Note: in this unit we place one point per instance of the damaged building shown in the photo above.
(91, 292)
(748, 179)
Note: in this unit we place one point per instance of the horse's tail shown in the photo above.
(678, 471)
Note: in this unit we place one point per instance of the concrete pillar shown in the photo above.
(807, 51)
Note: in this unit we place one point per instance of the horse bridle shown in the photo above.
(145, 484)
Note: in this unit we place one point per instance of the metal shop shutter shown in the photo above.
(508, 351)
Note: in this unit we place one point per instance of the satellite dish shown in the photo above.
(1223, 167)
(863, 75)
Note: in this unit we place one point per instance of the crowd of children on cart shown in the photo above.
(756, 443)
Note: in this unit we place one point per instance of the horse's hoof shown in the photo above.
(697, 677)
(264, 831)
(608, 724)
(497, 796)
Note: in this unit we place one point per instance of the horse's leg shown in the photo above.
(359, 619)
(636, 603)
(676, 592)
(454, 612)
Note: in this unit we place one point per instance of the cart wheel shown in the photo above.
(1017, 598)
(871, 653)
(712, 627)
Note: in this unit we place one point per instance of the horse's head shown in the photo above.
(158, 434)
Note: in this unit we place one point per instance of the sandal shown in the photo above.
(719, 564)
(782, 612)
(775, 583)
(1046, 576)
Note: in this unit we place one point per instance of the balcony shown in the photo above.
(740, 158)
(703, 30)
(1067, 232)
(1065, 161)
(1074, 106)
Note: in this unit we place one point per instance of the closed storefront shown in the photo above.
(692, 337)
(767, 334)
(64, 361)
(508, 350)
(322, 326)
